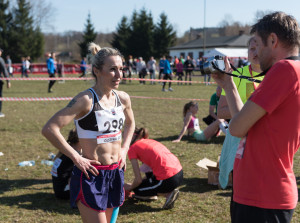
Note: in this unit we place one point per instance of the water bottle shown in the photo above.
(51, 156)
(27, 163)
(47, 162)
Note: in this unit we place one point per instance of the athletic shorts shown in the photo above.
(151, 186)
(99, 192)
(250, 214)
(199, 135)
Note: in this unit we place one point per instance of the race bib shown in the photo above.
(196, 124)
(110, 121)
(106, 138)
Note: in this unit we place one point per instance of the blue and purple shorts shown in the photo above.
(99, 192)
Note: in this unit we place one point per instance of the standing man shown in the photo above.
(152, 69)
(161, 67)
(83, 67)
(167, 73)
(264, 184)
(51, 70)
(3, 71)
(189, 67)
(9, 66)
(141, 69)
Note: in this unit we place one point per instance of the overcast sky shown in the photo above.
(72, 14)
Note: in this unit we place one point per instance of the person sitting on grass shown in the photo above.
(164, 174)
(191, 124)
(62, 168)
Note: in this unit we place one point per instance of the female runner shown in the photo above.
(99, 113)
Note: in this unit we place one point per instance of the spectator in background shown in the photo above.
(179, 71)
(60, 70)
(176, 60)
(167, 73)
(161, 67)
(28, 64)
(3, 73)
(83, 67)
(23, 68)
(9, 67)
(141, 69)
(130, 66)
(213, 107)
(151, 65)
(189, 67)
(51, 70)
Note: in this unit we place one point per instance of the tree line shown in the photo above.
(140, 37)
(20, 33)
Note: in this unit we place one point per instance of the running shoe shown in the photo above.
(170, 200)
(144, 198)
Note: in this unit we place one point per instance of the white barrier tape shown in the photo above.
(70, 98)
(91, 78)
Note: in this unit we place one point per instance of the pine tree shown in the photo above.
(122, 36)
(26, 40)
(141, 40)
(89, 35)
(5, 23)
(164, 36)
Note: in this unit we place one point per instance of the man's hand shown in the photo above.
(223, 80)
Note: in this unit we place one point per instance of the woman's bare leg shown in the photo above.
(212, 129)
(89, 215)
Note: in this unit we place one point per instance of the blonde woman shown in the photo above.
(100, 113)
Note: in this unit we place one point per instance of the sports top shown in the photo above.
(101, 123)
(194, 124)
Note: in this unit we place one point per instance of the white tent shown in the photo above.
(230, 52)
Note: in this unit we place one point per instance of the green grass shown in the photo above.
(26, 193)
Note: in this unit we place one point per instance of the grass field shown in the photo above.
(26, 193)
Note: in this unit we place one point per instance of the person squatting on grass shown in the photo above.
(99, 113)
(191, 124)
(264, 184)
(162, 168)
(62, 168)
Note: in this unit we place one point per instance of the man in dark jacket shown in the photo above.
(189, 67)
(3, 71)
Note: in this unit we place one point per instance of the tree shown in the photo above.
(164, 36)
(42, 12)
(89, 35)
(141, 39)
(26, 40)
(5, 23)
(122, 36)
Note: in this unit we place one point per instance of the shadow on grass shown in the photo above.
(134, 206)
(189, 139)
(39, 201)
(197, 185)
(7, 185)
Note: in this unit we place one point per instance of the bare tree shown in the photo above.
(259, 14)
(43, 13)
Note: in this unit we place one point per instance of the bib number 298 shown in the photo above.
(113, 125)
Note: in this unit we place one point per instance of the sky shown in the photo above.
(71, 15)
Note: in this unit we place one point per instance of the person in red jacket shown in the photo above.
(163, 170)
